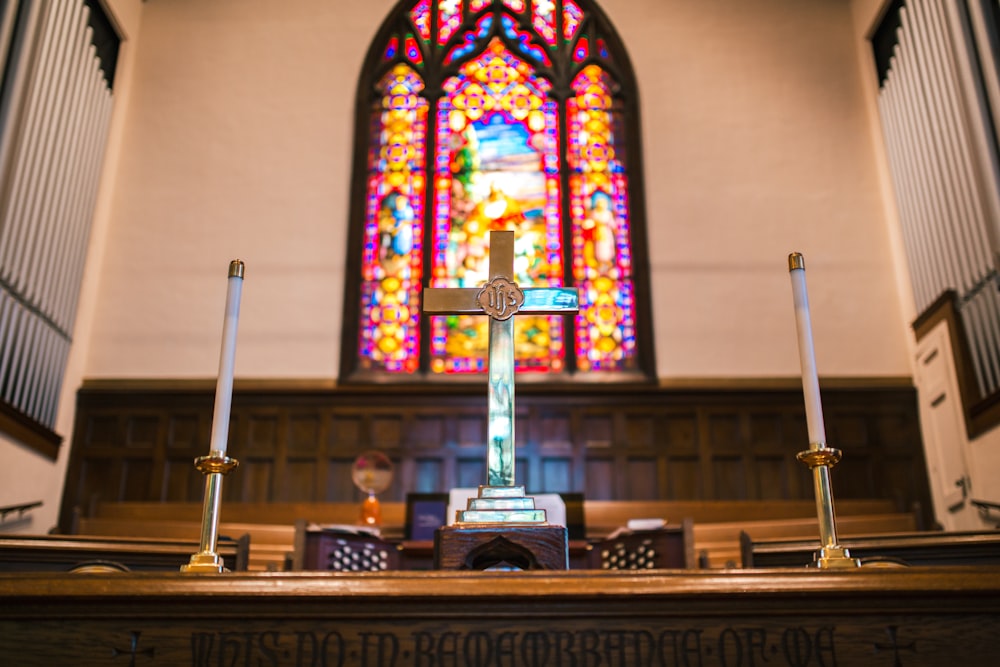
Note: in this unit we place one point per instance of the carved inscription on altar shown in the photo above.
(915, 617)
(448, 641)
(795, 646)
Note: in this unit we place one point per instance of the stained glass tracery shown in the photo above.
(523, 39)
(494, 161)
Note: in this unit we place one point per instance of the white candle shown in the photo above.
(807, 356)
(227, 360)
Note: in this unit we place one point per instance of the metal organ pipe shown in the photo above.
(56, 149)
(902, 179)
(945, 187)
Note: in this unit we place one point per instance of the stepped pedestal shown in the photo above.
(501, 529)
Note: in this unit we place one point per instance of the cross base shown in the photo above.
(501, 547)
(501, 504)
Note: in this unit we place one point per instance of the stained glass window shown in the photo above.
(392, 259)
(602, 256)
(484, 115)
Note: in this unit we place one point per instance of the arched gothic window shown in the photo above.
(481, 115)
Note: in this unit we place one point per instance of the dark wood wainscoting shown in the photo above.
(136, 441)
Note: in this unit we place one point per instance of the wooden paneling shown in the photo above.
(137, 442)
(136, 477)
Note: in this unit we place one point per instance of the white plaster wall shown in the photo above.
(25, 475)
(757, 145)
(238, 142)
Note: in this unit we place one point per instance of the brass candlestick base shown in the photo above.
(832, 558)
(214, 466)
(208, 561)
(831, 555)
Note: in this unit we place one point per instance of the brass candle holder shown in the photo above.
(215, 466)
(831, 555)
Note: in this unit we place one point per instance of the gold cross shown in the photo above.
(500, 298)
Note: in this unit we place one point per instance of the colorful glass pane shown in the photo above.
(420, 15)
(496, 168)
(392, 259)
(602, 49)
(449, 19)
(412, 49)
(477, 5)
(523, 40)
(599, 213)
(515, 5)
(544, 20)
(468, 44)
(391, 49)
(572, 17)
(581, 50)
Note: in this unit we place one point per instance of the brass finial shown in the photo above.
(796, 261)
(236, 268)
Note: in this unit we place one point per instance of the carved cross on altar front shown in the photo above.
(500, 298)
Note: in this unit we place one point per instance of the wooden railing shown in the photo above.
(270, 544)
(20, 509)
(717, 524)
(92, 553)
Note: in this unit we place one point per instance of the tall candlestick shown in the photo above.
(818, 457)
(217, 464)
(807, 355)
(227, 360)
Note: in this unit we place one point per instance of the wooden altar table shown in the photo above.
(872, 617)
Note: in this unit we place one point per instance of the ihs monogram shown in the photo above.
(500, 298)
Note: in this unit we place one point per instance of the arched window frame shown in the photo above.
(561, 71)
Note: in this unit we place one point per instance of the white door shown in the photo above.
(943, 425)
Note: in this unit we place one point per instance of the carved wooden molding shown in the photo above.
(28, 432)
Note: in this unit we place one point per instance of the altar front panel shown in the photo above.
(906, 616)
